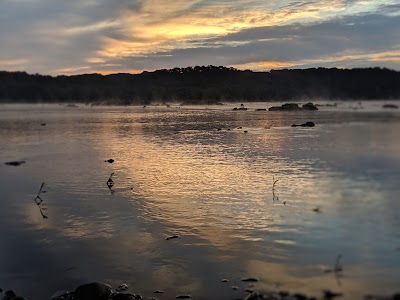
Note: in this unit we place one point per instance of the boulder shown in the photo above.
(8, 295)
(285, 107)
(92, 291)
(126, 296)
(309, 106)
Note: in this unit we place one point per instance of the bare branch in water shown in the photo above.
(274, 197)
(110, 183)
(38, 200)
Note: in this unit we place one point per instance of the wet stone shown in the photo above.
(309, 106)
(306, 124)
(110, 161)
(300, 297)
(183, 297)
(331, 295)
(224, 280)
(283, 294)
(62, 295)
(15, 163)
(8, 295)
(172, 237)
(126, 296)
(250, 279)
(254, 296)
(234, 287)
(92, 291)
(122, 287)
(158, 292)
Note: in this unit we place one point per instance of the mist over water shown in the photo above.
(196, 173)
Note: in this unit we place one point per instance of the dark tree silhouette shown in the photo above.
(202, 85)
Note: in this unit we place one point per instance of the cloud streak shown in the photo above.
(72, 37)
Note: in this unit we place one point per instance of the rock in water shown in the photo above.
(8, 295)
(92, 291)
(307, 124)
(110, 161)
(285, 107)
(61, 295)
(172, 237)
(390, 106)
(309, 106)
(250, 279)
(122, 287)
(15, 163)
(126, 296)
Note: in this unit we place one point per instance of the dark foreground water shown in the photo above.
(337, 193)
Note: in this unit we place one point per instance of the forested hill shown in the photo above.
(202, 85)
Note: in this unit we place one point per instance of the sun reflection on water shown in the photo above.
(183, 172)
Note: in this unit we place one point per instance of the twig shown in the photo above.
(38, 200)
(274, 197)
(110, 182)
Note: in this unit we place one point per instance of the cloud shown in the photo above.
(119, 36)
(353, 41)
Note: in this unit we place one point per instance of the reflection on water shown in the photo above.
(198, 174)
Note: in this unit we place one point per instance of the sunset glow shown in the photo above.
(100, 36)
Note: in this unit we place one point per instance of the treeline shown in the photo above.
(208, 84)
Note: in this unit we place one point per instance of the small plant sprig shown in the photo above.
(337, 269)
(110, 182)
(39, 200)
(274, 182)
(274, 197)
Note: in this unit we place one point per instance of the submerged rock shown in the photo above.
(92, 291)
(15, 163)
(390, 106)
(307, 124)
(183, 297)
(172, 237)
(250, 279)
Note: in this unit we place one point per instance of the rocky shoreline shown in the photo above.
(100, 291)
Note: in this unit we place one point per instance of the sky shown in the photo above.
(120, 36)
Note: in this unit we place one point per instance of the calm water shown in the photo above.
(176, 173)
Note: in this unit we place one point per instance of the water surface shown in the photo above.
(196, 173)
